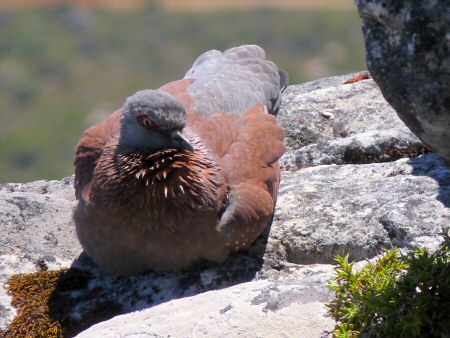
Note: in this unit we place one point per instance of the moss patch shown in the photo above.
(46, 301)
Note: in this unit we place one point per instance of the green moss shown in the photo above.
(397, 296)
(45, 301)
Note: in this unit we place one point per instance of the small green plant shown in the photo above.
(399, 295)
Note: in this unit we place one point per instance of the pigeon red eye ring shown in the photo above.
(147, 122)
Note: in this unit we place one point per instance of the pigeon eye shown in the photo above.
(147, 122)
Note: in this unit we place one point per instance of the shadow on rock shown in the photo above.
(88, 295)
(83, 295)
(434, 167)
(62, 303)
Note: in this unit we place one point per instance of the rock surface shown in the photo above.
(39, 211)
(35, 224)
(408, 55)
(255, 309)
(349, 186)
(358, 209)
(328, 122)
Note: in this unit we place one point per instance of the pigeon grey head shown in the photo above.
(153, 120)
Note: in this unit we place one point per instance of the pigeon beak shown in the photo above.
(181, 142)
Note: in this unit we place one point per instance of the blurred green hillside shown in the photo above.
(61, 70)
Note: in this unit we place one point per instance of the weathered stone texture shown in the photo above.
(408, 55)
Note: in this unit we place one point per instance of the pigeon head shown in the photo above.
(153, 120)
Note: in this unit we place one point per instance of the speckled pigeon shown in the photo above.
(186, 172)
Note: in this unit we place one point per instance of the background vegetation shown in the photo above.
(63, 68)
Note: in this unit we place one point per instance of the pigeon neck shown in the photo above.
(169, 181)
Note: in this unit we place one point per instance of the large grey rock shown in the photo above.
(408, 55)
(327, 121)
(322, 210)
(358, 209)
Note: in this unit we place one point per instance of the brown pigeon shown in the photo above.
(186, 172)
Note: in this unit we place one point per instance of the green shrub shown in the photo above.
(399, 295)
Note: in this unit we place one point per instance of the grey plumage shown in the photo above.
(160, 105)
(164, 110)
(234, 80)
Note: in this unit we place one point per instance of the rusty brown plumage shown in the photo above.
(166, 208)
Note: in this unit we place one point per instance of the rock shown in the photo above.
(39, 210)
(35, 224)
(408, 48)
(354, 194)
(255, 309)
(364, 128)
(359, 209)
